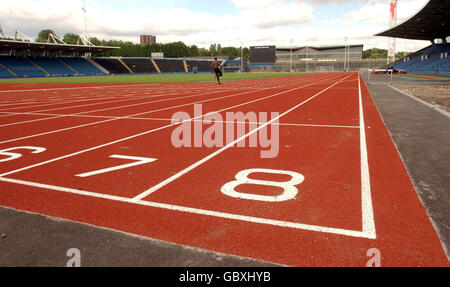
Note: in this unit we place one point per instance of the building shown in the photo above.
(350, 52)
(148, 39)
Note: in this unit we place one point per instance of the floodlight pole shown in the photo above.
(242, 58)
(290, 63)
(83, 8)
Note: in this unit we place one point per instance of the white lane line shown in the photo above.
(60, 103)
(245, 218)
(97, 110)
(368, 221)
(169, 120)
(212, 155)
(148, 112)
(78, 88)
(127, 138)
(126, 117)
(138, 161)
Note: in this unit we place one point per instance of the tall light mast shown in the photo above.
(392, 23)
(84, 9)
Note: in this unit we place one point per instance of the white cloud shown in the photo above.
(279, 14)
(377, 12)
(252, 4)
(256, 22)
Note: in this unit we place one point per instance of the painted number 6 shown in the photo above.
(289, 189)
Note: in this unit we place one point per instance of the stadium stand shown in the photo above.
(4, 73)
(431, 23)
(54, 66)
(170, 65)
(140, 65)
(21, 66)
(144, 65)
(202, 66)
(83, 66)
(429, 60)
(112, 65)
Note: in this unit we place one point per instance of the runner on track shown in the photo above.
(215, 68)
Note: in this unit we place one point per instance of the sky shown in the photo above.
(283, 23)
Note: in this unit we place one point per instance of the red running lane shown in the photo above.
(329, 196)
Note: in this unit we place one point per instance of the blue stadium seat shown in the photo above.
(21, 67)
(83, 66)
(54, 66)
(429, 60)
(5, 73)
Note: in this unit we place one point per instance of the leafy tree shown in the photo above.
(70, 38)
(43, 35)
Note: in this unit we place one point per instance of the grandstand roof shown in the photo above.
(7, 45)
(431, 22)
(324, 48)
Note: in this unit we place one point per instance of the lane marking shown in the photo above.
(169, 120)
(130, 137)
(77, 88)
(212, 155)
(162, 109)
(138, 161)
(245, 218)
(114, 119)
(368, 221)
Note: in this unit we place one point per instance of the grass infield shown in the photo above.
(154, 78)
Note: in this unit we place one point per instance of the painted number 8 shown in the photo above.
(289, 189)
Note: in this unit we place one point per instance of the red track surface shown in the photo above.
(347, 203)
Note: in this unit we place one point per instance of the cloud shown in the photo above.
(279, 14)
(260, 22)
(377, 12)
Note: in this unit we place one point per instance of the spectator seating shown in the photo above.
(140, 65)
(21, 67)
(434, 58)
(170, 65)
(4, 73)
(83, 66)
(112, 65)
(54, 66)
(202, 66)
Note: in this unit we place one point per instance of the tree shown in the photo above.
(43, 35)
(374, 53)
(70, 38)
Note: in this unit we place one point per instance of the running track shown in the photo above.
(59, 144)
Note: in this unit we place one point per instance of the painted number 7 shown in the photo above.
(138, 161)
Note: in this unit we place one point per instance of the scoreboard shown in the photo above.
(262, 55)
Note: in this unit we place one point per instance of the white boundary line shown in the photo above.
(339, 231)
(125, 117)
(444, 112)
(368, 221)
(146, 132)
(158, 110)
(106, 109)
(368, 225)
(169, 120)
(212, 155)
(79, 88)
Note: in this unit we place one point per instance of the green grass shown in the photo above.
(161, 78)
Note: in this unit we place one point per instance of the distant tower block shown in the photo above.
(148, 39)
(392, 23)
